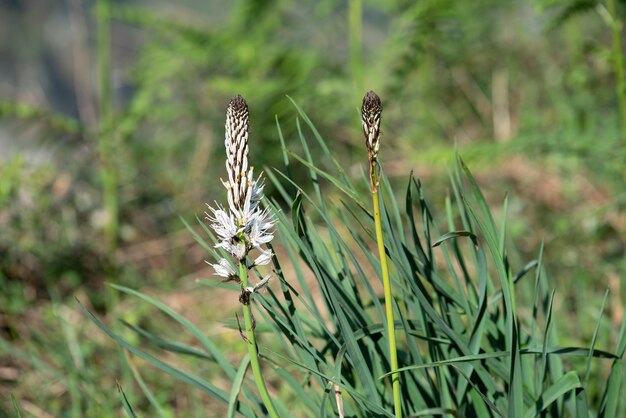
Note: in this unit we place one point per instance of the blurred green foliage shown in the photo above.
(527, 90)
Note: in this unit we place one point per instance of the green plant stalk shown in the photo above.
(355, 17)
(393, 352)
(252, 348)
(105, 138)
(618, 61)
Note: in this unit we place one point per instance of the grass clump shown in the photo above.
(473, 333)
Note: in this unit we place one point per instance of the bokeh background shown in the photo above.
(111, 131)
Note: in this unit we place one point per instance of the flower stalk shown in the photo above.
(371, 112)
(242, 228)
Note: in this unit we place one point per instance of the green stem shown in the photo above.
(252, 348)
(355, 17)
(105, 139)
(618, 61)
(393, 352)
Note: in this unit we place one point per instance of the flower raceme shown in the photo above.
(243, 226)
(371, 111)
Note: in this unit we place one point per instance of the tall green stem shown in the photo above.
(391, 330)
(355, 17)
(618, 61)
(252, 348)
(105, 137)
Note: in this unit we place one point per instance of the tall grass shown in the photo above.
(106, 149)
(616, 25)
(478, 331)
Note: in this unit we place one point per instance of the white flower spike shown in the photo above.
(244, 225)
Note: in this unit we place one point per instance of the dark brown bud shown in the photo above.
(371, 112)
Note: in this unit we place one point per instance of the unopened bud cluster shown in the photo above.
(244, 226)
(371, 112)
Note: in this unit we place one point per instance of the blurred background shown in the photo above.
(111, 131)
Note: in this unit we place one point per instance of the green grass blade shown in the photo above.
(435, 411)
(613, 391)
(321, 141)
(582, 409)
(174, 347)
(372, 407)
(283, 149)
(16, 408)
(179, 374)
(566, 383)
(335, 182)
(456, 234)
(236, 385)
(594, 338)
(144, 388)
(211, 348)
(125, 403)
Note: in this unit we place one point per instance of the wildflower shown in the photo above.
(244, 225)
(223, 224)
(259, 286)
(225, 269)
(264, 258)
(371, 111)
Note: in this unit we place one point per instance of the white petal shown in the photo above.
(264, 281)
(239, 250)
(264, 258)
(224, 269)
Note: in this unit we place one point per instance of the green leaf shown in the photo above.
(144, 388)
(211, 348)
(594, 338)
(179, 374)
(16, 408)
(174, 347)
(336, 182)
(236, 386)
(125, 403)
(456, 234)
(613, 390)
(566, 383)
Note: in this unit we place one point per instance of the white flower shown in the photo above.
(264, 258)
(260, 285)
(224, 269)
(257, 191)
(258, 230)
(223, 224)
(239, 250)
(244, 225)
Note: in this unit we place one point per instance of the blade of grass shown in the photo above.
(144, 388)
(566, 383)
(236, 385)
(125, 403)
(16, 408)
(594, 338)
(174, 347)
(321, 141)
(179, 374)
(211, 348)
